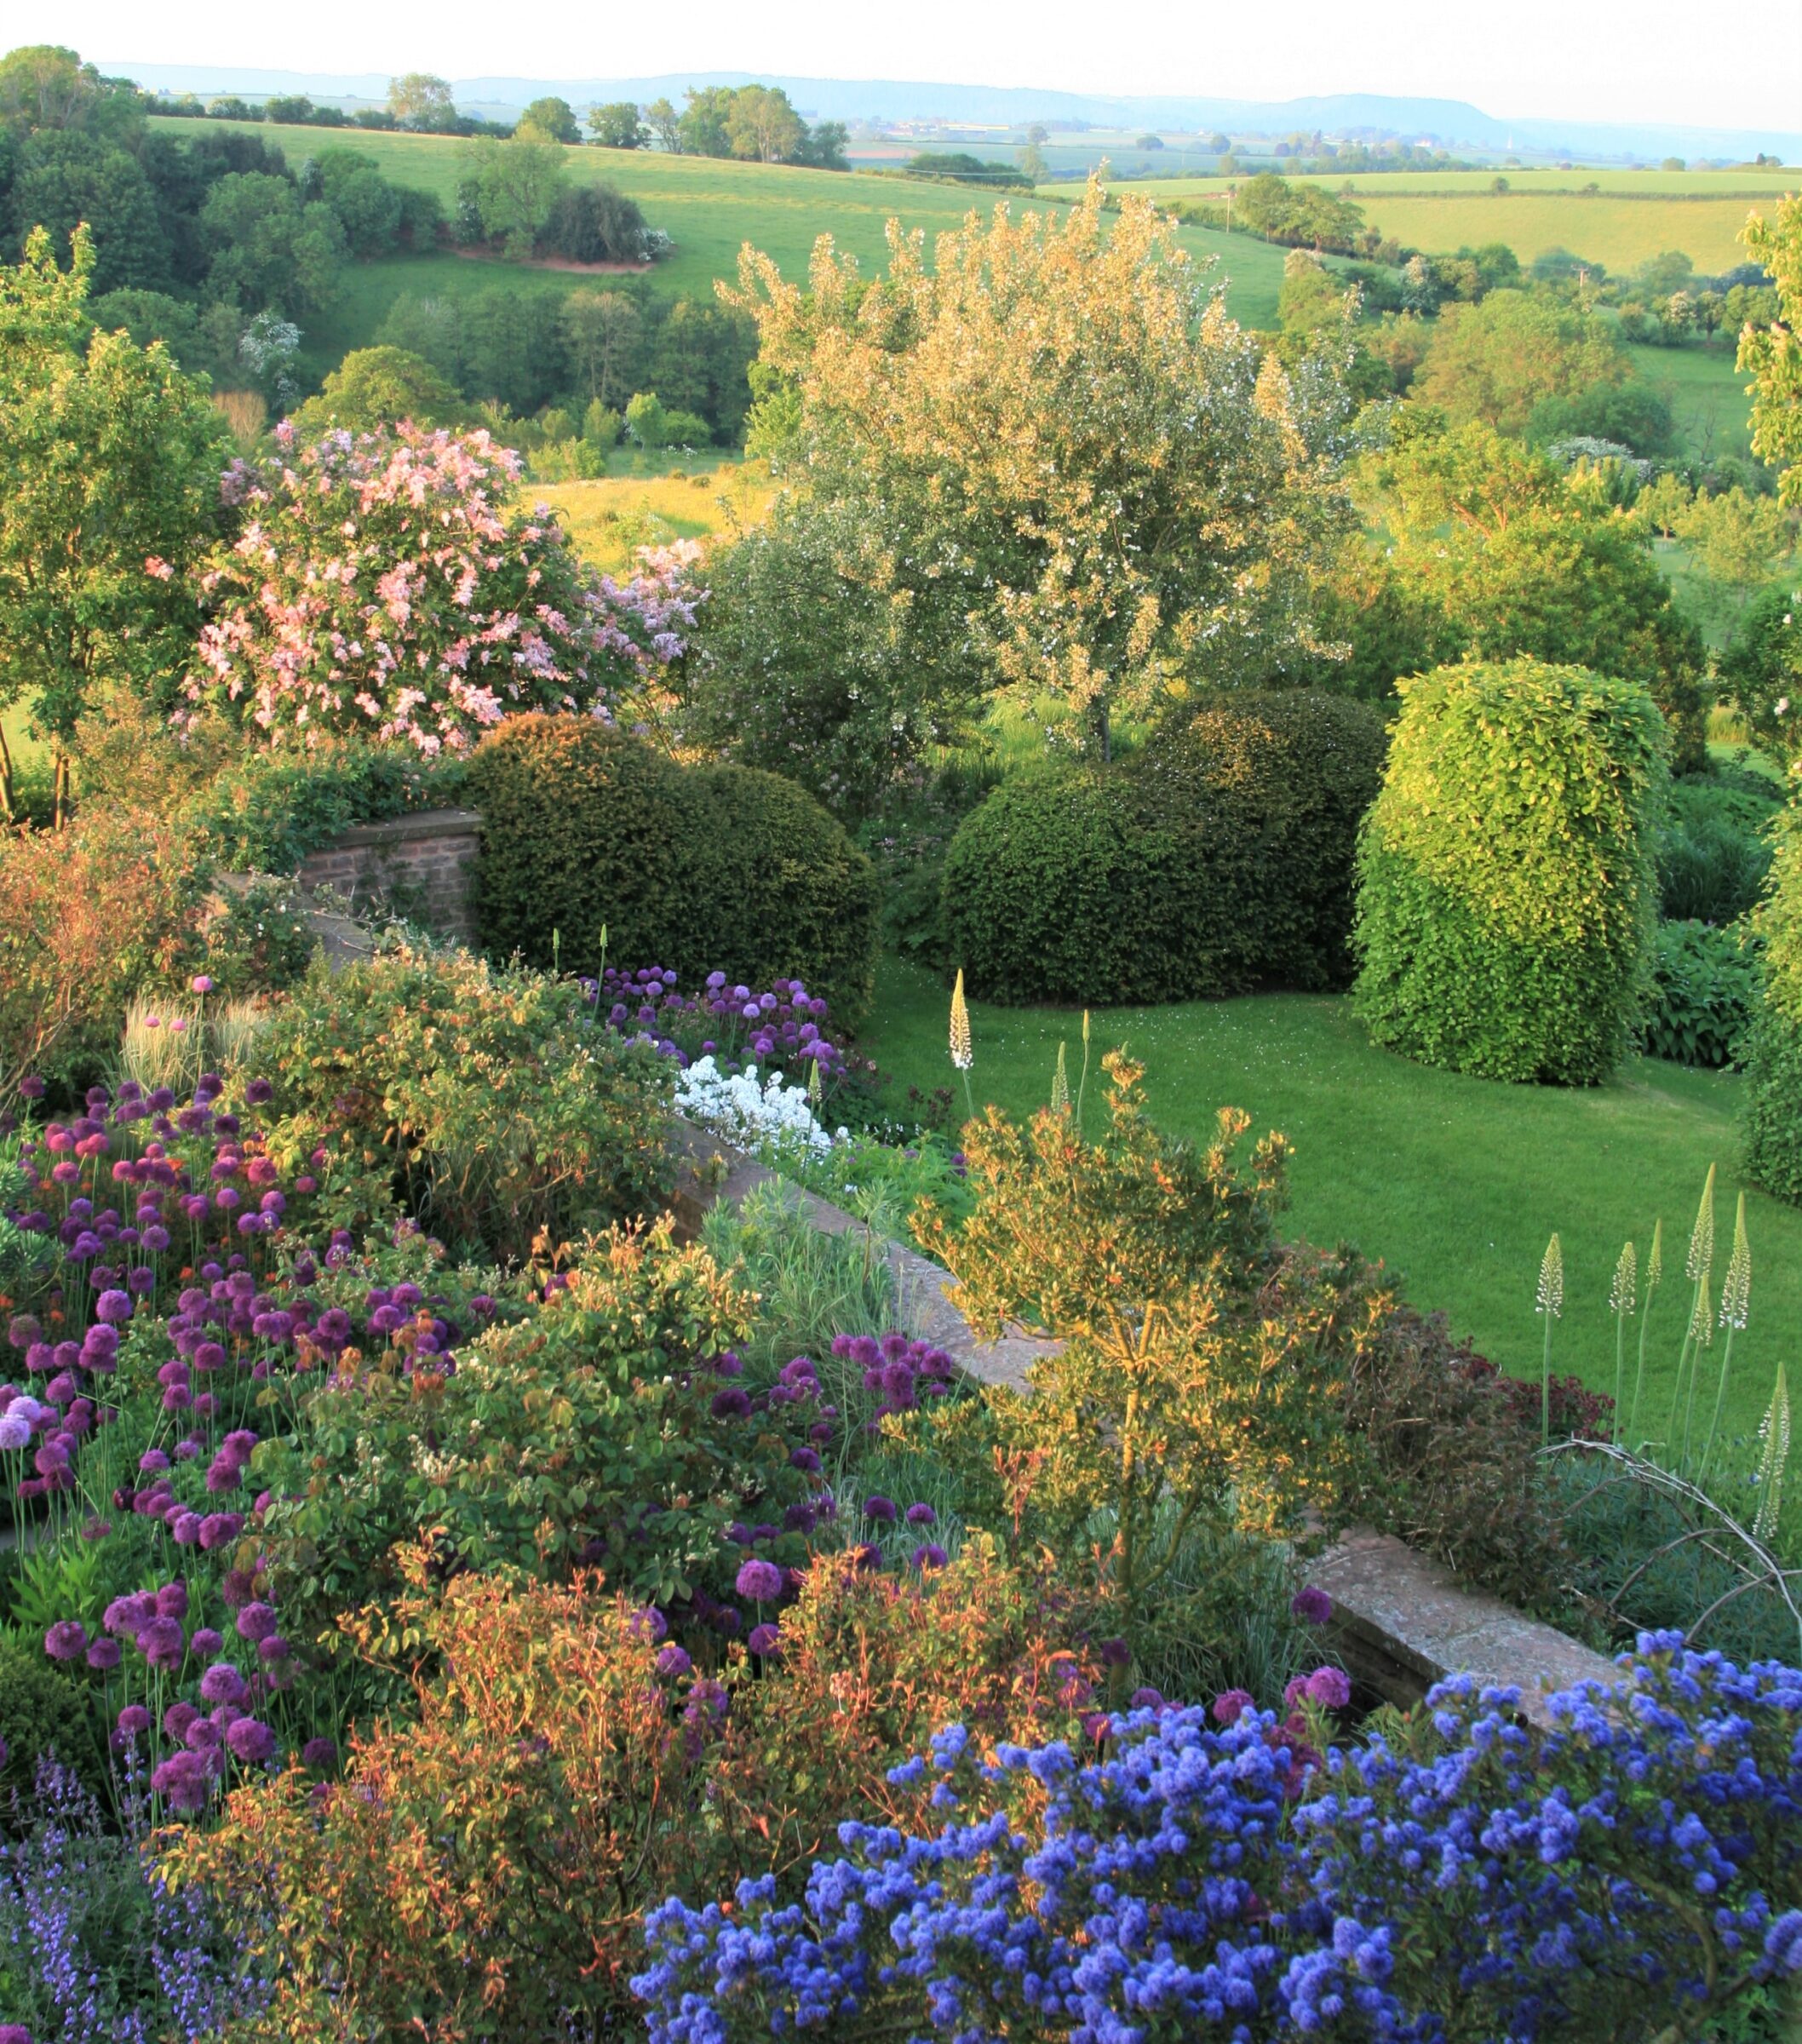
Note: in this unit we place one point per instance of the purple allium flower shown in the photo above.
(674, 1660)
(1115, 1653)
(133, 1719)
(1230, 1706)
(104, 1654)
(252, 1740)
(930, 1555)
(879, 1508)
(257, 1620)
(731, 1403)
(921, 1515)
(765, 1639)
(1330, 1686)
(805, 1459)
(66, 1640)
(171, 1601)
(1147, 1699)
(222, 1683)
(205, 1643)
(258, 1093)
(1311, 1606)
(759, 1581)
(181, 1780)
(162, 1643)
(113, 1306)
(201, 983)
(320, 1754)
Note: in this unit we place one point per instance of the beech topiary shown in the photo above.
(1507, 895)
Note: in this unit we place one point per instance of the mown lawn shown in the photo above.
(610, 519)
(1456, 1183)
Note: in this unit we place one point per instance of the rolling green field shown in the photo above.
(609, 519)
(1707, 395)
(1633, 214)
(1456, 1183)
(710, 207)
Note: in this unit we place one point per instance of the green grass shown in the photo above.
(610, 519)
(1635, 215)
(710, 207)
(1706, 393)
(1455, 1183)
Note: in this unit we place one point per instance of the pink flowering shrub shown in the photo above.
(385, 584)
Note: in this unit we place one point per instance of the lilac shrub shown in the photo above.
(383, 585)
(1457, 1880)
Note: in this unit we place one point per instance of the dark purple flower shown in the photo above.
(181, 1781)
(931, 1555)
(731, 1403)
(759, 1581)
(252, 1740)
(113, 1306)
(104, 1654)
(222, 1683)
(1147, 1699)
(133, 1719)
(674, 1660)
(1230, 1706)
(879, 1508)
(66, 1640)
(1330, 1686)
(921, 1515)
(257, 1620)
(1311, 1606)
(162, 1643)
(320, 1754)
(765, 1639)
(1116, 1653)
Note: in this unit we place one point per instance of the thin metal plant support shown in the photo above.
(1763, 1566)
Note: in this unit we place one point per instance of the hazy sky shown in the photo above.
(1670, 61)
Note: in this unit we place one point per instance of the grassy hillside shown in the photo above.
(1706, 393)
(610, 519)
(1455, 1182)
(1632, 215)
(710, 207)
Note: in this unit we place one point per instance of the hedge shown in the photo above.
(1772, 1108)
(1506, 894)
(1218, 860)
(268, 811)
(697, 868)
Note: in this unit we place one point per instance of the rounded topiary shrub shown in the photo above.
(1773, 1097)
(45, 1711)
(1506, 894)
(1218, 860)
(694, 868)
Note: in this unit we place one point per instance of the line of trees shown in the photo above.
(753, 123)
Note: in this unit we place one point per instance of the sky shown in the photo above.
(1666, 60)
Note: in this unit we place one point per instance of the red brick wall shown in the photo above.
(422, 866)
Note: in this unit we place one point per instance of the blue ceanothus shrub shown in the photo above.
(1456, 1878)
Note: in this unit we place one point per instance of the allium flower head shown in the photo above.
(759, 1581)
(1312, 1606)
(1331, 1687)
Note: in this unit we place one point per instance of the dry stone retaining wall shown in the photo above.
(422, 866)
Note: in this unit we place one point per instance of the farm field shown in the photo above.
(1633, 216)
(1456, 1183)
(710, 207)
(1706, 393)
(610, 518)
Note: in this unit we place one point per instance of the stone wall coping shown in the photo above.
(414, 824)
(1402, 1620)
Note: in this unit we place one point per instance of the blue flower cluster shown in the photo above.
(1460, 1879)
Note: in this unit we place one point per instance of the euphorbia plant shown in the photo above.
(1201, 1360)
(385, 584)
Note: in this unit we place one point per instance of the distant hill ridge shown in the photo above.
(1448, 122)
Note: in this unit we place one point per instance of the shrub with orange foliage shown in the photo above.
(88, 914)
(483, 1872)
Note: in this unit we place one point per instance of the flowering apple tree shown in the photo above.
(386, 584)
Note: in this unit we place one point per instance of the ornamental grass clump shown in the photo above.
(1505, 894)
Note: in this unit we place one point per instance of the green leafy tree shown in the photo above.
(1066, 440)
(603, 331)
(419, 99)
(1762, 668)
(46, 87)
(1489, 551)
(66, 176)
(1033, 164)
(666, 124)
(762, 126)
(1771, 353)
(109, 492)
(1736, 538)
(369, 208)
(516, 184)
(550, 120)
(617, 125)
(823, 147)
(269, 251)
(1495, 361)
(375, 387)
(702, 129)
